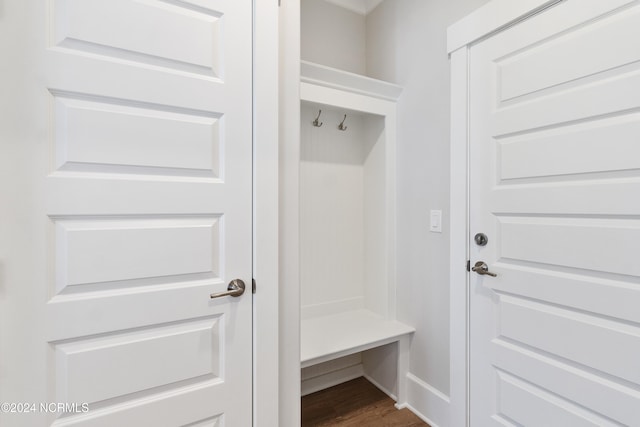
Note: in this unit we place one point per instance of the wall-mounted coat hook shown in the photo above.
(315, 122)
(341, 126)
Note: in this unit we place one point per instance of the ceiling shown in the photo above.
(362, 7)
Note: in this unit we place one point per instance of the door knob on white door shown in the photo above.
(482, 269)
(481, 239)
(235, 289)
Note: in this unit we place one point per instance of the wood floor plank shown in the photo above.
(355, 403)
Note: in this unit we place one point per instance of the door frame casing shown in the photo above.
(489, 19)
(266, 326)
(289, 107)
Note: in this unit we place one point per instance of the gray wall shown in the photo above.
(333, 36)
(406, 44)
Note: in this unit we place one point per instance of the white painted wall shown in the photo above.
(406, 44)
(332, 162)
(343, 264)
(332, 36)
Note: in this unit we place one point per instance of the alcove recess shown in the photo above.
(347, 232)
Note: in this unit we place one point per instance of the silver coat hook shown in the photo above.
(341, 126)
(315, 122)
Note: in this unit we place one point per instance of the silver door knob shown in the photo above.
(482, 268)
(481, 239)
(235, 289)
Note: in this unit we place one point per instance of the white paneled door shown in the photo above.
(126, 169)
(555, 187)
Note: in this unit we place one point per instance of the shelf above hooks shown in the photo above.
(344, 81)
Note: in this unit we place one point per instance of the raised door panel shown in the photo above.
(115, 136)
(115, 29)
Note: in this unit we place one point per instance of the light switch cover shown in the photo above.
(436, 221)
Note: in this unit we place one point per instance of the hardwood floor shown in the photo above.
(356, 403)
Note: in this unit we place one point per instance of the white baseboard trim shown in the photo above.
(330, 379)
(428, 403)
